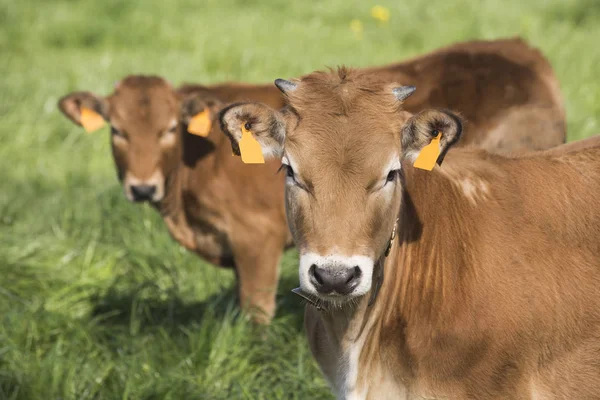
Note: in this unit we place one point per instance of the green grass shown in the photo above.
(96, 300)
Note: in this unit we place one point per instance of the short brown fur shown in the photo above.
(490, 290)
(505, 90)
(214, 205)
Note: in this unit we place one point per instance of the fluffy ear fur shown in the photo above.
(70, 105)
(266, 124)
(420, 129)
(195, 102)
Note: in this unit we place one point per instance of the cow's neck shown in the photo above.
(196, 153)
(171, 204)
(172, 210)
(428, 268)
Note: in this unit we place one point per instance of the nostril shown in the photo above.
(355, 274)
(315, 274)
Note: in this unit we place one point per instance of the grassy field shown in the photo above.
(96, 300)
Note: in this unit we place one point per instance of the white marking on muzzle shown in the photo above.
(336, 261)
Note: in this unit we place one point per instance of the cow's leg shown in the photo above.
(257, 271)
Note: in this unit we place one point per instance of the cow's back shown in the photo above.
(505, 90)
(234, 92)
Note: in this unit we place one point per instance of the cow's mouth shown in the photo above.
(325, 301)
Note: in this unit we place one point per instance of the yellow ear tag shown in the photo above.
(200, 124)
(250, 148)
(91, 120)
(429, 154)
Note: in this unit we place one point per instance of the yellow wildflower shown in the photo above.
(380, 13)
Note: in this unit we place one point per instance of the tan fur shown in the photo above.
(489, 299)
(504, 89)
(214, 204)
(481, 305)
(478, 301)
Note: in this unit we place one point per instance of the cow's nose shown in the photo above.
(143, 192)
(328, 279)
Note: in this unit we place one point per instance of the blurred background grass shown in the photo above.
(96, 300)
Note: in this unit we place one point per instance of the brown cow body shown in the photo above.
(218, 199)
(491, 292)
(232, 214)
(491, 286)
(229, 213)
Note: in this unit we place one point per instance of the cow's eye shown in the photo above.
(289, 172)
(115, 132)
(392, 175)
(117, 135)
(168, 132)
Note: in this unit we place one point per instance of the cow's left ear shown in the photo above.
(200, 111)
(266, 125)
(428, 135)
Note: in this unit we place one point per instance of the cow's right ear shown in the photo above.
(197, 103)
(268, 126)
(428, 135)
(72, 104)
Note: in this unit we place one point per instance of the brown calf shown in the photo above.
(232, 214)
(229, 213)
(492, 264)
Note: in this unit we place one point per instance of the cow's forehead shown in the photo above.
(344, 117)
(144, 97)
(343, 146)
(342, 93)
(150, 101)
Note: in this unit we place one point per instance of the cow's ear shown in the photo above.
(92, 105)
(200, 111)
(428, 135)
(266, 125)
